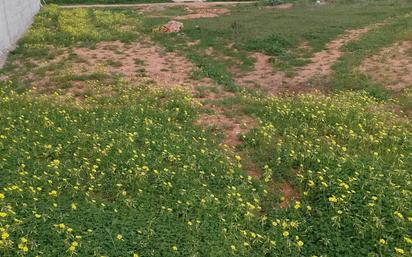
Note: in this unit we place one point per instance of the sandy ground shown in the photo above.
(391, 67)
(320, 66)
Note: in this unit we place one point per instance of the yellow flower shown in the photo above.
(233, 247)
(382, 241)
(3, 214)
(398, 214)
(2, 196)
(119, 237)
(23, 240)
(285, 233)
(300, 243)
(238, 157)
(174, 248)
(74, 206)
(4, 235)
(407, 239)
(399, 250)
(333, 199)
(344, 185)
(135, 255)
(72, 248)
(53, 193)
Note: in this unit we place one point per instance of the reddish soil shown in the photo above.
(202, 12)
(139, 60)
(254, 171)
(263, 75)
(288, 192)
(231, 128)
(321, 62)
(391, 67)
(320, 66)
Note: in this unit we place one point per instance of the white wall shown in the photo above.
(15, 17)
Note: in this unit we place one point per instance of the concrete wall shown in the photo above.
(15, 17)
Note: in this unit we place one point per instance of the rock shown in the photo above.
(171, 26)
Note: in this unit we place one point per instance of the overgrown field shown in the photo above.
(132, 175)
(98, 160)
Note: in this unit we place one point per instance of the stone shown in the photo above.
(171, 26)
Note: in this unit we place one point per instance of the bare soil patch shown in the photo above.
(289, 193)
(262, 75)
(193, 43)
(138, 60)
(74, 69)
(321, 62)
(231, 128)
(320, 66)
(391, 67)
(254, 171)
(202, 12)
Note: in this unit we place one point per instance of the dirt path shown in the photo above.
(190, 4)
(319, 67)
(231, 127)
(321, 63)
